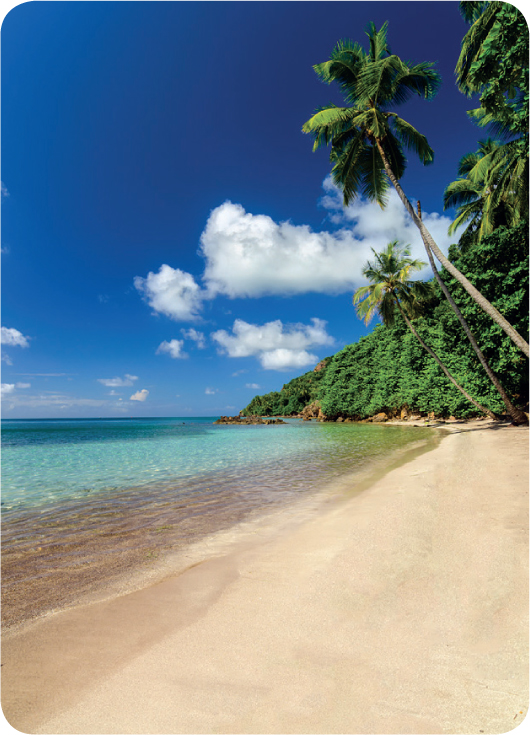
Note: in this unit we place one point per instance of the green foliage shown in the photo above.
(372, 84)
(293, 397)
(494, 62)
(388, 369)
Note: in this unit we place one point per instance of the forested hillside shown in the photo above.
(389, 370)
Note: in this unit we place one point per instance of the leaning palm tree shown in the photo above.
(368, 138)
(392, 290)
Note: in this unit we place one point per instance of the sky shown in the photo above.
(171, 246)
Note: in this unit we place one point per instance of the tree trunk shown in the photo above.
(517, 416)
(440, 363)
(429, 243)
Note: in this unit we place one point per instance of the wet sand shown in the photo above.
(400, 609)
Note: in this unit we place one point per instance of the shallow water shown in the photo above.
(86, 501)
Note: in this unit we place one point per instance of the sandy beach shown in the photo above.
(400, 609)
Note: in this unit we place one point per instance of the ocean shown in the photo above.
(85, 501)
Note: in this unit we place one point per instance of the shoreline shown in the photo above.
(398, 609)
(96, 548)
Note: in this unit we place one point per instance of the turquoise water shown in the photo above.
(52, 461)
(85, 502)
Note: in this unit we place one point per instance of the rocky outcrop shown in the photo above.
(247, 420)
(313, 411)
(321, 365)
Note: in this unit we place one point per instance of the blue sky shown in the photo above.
(170, 244)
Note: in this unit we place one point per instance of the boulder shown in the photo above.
(312, 410)
(380, 417)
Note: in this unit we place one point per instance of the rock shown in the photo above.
(312, 410)
(404, 414)
(321, 365)
(247, 420)
(339, 420)
(380, 417)
(431, 416)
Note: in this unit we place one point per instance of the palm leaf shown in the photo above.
(411, 138)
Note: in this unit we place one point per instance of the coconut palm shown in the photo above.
(477, 195)
(494, 62)
(368, 138)
(391, 290)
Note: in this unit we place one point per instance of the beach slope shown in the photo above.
(403, 609)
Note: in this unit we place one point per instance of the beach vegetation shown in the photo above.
(391, 290)
(388, 370)
(368, 137)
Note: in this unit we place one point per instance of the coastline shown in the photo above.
(400, 609)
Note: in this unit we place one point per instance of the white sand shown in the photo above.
(401, 610)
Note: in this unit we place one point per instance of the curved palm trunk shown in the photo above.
(440, 363)
(429, 243)
(517, 416)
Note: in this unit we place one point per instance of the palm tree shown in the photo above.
(367, 138)
(494, 62)
(391, 290)
(477, 197)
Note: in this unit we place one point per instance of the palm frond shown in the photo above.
(411, 139)
(374, 180)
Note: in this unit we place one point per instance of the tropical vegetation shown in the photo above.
(486, 273)
(392, 290)
(367, 138)
(388, 369)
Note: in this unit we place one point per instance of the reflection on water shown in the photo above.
(52, 552)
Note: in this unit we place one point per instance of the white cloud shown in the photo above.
(3, 189)
(277, 347)
(23, 385)
(5, 358)
(6, 388)
(140, 395)
(253, 386)
(196, 336)
(13, 337)
(250, 255)
(173, 348)
(172, 292)
(118, 382)
(210, 391)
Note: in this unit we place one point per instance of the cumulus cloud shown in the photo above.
(250, 255)
(23, 385)
(118, 382)
(210, 391)
(13, 337)
(253, 386)
(196, 336)
(140, 395)
(173, 348)
(276, 346)
(171, 292)
(6, 388)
